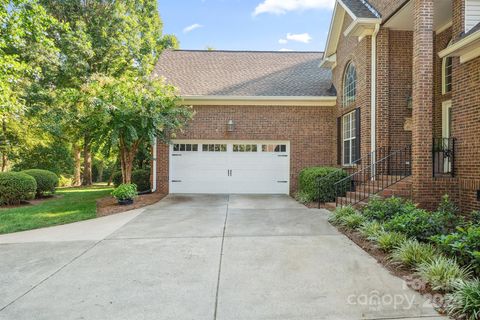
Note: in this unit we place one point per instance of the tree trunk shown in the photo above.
(5, 145)
(77, 174)
(100, 172)
(127, 155)
(87, 164)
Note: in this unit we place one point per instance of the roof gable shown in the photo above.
(364, 17)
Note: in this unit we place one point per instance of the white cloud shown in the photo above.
(300, 37)
(283, 41)
(192, 27)
(283, 6)
(285, 49)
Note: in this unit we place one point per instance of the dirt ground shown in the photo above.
(109, 205)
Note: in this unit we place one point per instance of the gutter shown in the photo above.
(373, 98)
(154, 165)
(467, 48)
(320, 101)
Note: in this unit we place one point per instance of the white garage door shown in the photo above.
(230, 167)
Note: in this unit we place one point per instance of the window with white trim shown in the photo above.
(349, 138)
(214, 147)
(274, 148)
(244, 148)
(447, 68)
(185, 147)
(349, 86)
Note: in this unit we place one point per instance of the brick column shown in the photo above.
(383, 88)
(422, 134)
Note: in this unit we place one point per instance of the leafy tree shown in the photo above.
(134, 111)
(28, 57)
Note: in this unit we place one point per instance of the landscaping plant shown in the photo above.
(125, 192)
(352, 221)
(339, 215)
(140, 177)
(371, 230)
(464, 301)
(388, 241)
(464, 245)
(46, 180)
(442, 273)
(384, 209)
(316, 183)
(411, 253)
(16, 187)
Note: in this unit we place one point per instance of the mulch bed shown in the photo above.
(109, 205)
(412, 280)
(33, 202)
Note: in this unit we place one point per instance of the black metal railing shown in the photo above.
(443, 156)
(376, 177)
(357, 165)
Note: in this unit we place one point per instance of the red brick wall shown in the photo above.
(309, 130)
(400, 83)
(350, 50)
(423, 103)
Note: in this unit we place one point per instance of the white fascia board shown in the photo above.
(467, 48)
(362, 27)
(324, 101)
(329, 62)
(335, 30)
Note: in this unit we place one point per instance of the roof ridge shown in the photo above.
(371, 8)
(241, 51)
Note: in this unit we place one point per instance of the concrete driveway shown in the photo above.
(200, 257)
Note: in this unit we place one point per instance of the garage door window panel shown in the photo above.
(214, 148)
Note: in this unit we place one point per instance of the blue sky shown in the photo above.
(300, 25)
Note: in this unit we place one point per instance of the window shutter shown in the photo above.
(339, 141)
(357, 133)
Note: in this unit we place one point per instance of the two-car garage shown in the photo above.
(219, 166)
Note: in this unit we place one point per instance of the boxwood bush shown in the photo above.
(16, 187)
(313, 188)
(46, 180)
(140, 177)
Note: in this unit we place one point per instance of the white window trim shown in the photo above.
(351, 100)
(353, 137)
(444, 73)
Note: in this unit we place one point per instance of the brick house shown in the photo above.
(394, 97)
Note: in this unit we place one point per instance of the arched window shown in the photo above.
(447, 67)
(349, 85)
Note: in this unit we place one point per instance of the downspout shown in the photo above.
(154, 165)
(373, 99)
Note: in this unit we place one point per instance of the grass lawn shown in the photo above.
(75, 204)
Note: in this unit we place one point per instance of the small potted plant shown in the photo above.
(125, 193)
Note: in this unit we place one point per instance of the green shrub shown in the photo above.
(412, 253)
(388, 241)
(117, 179)
(464, 245)
(313, 188)
(464, 301)
(371, 230)
(353, 221)
(16, 187)
(47, 181)
(339, 214)
(141, 178)
(417, 223)
(385, 209)
(442, 273)
(125, 191)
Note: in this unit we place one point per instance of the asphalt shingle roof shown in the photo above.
(361, 8)
(245, 73)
